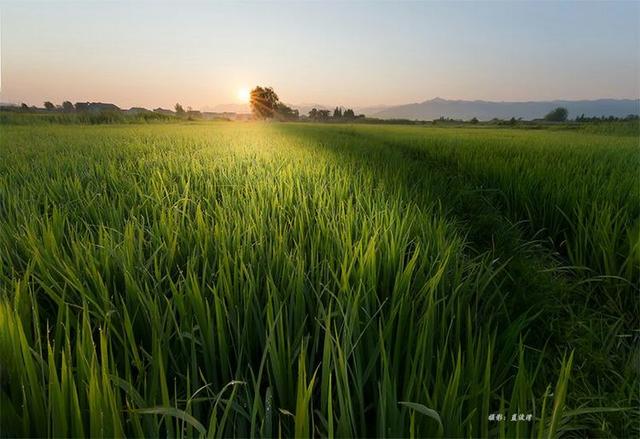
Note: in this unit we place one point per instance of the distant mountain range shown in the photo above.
(486, 110)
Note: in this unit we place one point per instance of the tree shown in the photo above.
(557, 115)
(349, 114)
(264, 102)
(474, 120)
(67, 106)
(284, 112)
(49, 106)
(179, 110)
(24, 106)
(337, 113)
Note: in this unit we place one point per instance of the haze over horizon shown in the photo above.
(352, 54)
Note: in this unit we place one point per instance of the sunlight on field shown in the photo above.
(254, 279)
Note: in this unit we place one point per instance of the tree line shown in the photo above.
(339, 114)
(265, 104)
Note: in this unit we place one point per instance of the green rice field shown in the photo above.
(230, 279)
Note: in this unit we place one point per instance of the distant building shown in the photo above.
(96, 106)
(164, 111)
(137, 110)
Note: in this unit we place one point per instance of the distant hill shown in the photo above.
(371, 109)
(485, 110)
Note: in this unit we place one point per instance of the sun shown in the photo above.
(244, 95)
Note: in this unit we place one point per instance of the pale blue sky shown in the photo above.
(349, 53)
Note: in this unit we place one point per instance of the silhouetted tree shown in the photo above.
(557, 115)
(349, 114)
(264, 102)
(313, 114)
(337, 113)
(474, 120)
(67, 106)
(49, 106)
(179, 110)
(24, 107)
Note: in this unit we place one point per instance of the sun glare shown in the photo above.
(243, 95)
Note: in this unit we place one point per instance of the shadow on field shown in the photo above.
(535, 280)
(417, 176)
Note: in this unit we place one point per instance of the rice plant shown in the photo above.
(247, 279)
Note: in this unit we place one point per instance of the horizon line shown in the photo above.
(210, 107)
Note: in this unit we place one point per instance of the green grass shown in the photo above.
(247, 279)
(17, 117)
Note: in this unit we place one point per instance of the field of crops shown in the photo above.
(257, 279)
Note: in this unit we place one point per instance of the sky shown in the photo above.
(358, 53)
